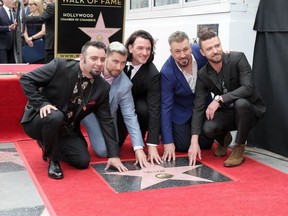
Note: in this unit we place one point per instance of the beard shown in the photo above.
(95, 74)
(184, 62)
(217, 58)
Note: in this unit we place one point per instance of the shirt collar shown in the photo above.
(135, 68)
(109, 80)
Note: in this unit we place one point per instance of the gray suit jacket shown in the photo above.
(238, 80)
(120, 95)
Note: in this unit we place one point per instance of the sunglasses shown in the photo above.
(30, 4)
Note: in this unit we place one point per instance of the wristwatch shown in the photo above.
(217, 98)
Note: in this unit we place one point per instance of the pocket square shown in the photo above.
(92, 102)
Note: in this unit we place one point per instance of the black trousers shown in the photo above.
(62, 143)
(182, 137)
(241, 118)
(141, 110)
(7, 56)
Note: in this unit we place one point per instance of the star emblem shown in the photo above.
(10, 156)
(156, 174)
(100, 32)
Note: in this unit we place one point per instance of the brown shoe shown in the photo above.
(221, 151)
(237, 156)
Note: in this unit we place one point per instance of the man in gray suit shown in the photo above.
(120, 95)
(236, 105)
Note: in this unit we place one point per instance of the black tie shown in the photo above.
(11, 16)
(128, 73)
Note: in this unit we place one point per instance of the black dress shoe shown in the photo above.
(54, 170)
(44, 152)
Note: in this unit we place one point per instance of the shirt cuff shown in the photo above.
(137, 147)
(150, 144)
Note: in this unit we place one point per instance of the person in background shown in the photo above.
(8, 26)
(25, 8)
(34, 31)
(47, 17)
(146, 91)
(178, 80)
(120, 95)
(60, 94)
(237, 104)
(44, 4)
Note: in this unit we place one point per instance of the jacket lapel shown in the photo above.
(114, 87)
(213, 76)
(180, 76)
(225, 71)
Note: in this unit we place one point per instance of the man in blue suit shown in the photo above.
(7, 32)
(120, 95)
(178, 80)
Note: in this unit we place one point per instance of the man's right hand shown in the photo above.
(154, 155)
(44, 111)
(194, 150)
(169, 152)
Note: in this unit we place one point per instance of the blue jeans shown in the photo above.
(97, 141)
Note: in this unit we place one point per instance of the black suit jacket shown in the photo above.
(6, 36)
(146, 85)
(47, 17)
(53, 84)
(238, 80)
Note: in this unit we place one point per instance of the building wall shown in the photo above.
(234, 17)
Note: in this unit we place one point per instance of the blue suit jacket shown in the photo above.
(120, 95)
(176, 95)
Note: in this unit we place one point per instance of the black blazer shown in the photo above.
(238, 80)
(47, 17)
(6, 36)
(146, 85)
(53, 84)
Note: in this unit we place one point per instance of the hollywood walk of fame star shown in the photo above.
(10, 156)
(100, 32)
(156, 174)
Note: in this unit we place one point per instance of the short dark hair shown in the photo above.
(177, 36)
(142, 34)
(97, 44)
(206, 34)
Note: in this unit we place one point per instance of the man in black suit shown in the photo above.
(146, 90)
(7, 32)
(237, 104)
(60, 94)
(47, 17)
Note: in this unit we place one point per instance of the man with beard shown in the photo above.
(236, 106)
(60, 94)
(178, 79)
(120, 96)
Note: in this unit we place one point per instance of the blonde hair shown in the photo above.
(39, 4)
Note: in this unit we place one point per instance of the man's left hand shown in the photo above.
(116, 162)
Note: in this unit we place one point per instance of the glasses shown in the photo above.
(31, 4)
